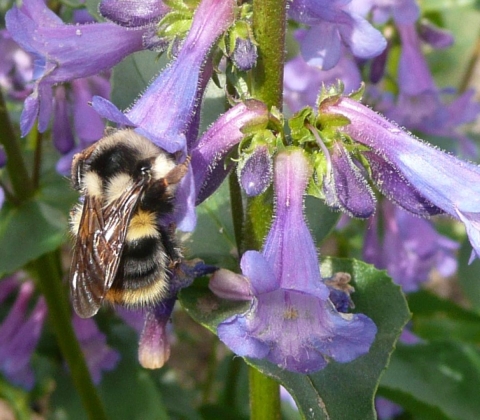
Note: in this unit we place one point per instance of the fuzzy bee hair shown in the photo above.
(124, 250)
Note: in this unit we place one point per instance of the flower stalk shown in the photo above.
(17, 171)
(269, 20)
(59, 312)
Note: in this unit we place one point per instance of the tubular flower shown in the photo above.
(98, 355)
(164, 112)
(16, 68)
(291, 321)
(333, 23)
(443, 181)
(63, 52)
(303, 82)
(208, 152)
(410, 248)
(154, 345)
(74, 115)
(19, 333)
(402, 11)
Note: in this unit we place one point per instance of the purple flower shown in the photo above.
(291, 322)
(333, 23)
(387, 409)
(152, 323)
(245, 54)
(63, 52)
(420, 104)
(209, 151)
(133, 13)
(434, 36)
(410, 248)
(302, 82)
(98, 355)
(16, 68)
(418, 96)
(74, 115)
(164, 112)
(441, 180)
(2, 197)
(402, 11)
(20, 332)
(154, 345)
(345, 186)
(255, 172)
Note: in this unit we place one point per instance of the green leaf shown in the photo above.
(440, 377)
(92, 7)
(29, 231)
(129, 392)
(132, 76)
(215, 223)
(469, 275)
(438, 5)
(321, 218)
(437, 318)
(340, 391)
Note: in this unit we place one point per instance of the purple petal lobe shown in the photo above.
(109, 111)
(228, 285)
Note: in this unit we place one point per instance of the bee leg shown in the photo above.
(177, 173)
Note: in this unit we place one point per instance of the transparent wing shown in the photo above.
(98, 248)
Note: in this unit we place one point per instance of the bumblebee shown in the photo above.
(125, 247)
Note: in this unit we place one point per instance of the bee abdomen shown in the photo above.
(142, 278)
(143, 259)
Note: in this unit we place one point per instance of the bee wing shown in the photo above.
(98, 248)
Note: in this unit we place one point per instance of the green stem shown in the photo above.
(236, 203)
(472, 63)
(20, 180)
(59, 312)
(264, 397)
(37, 160)
(269, 21)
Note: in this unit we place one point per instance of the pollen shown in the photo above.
(143, 224)
(290, 314)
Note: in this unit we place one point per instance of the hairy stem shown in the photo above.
(269, 21)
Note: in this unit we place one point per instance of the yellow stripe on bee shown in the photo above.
(143, 224)
(141, 297)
